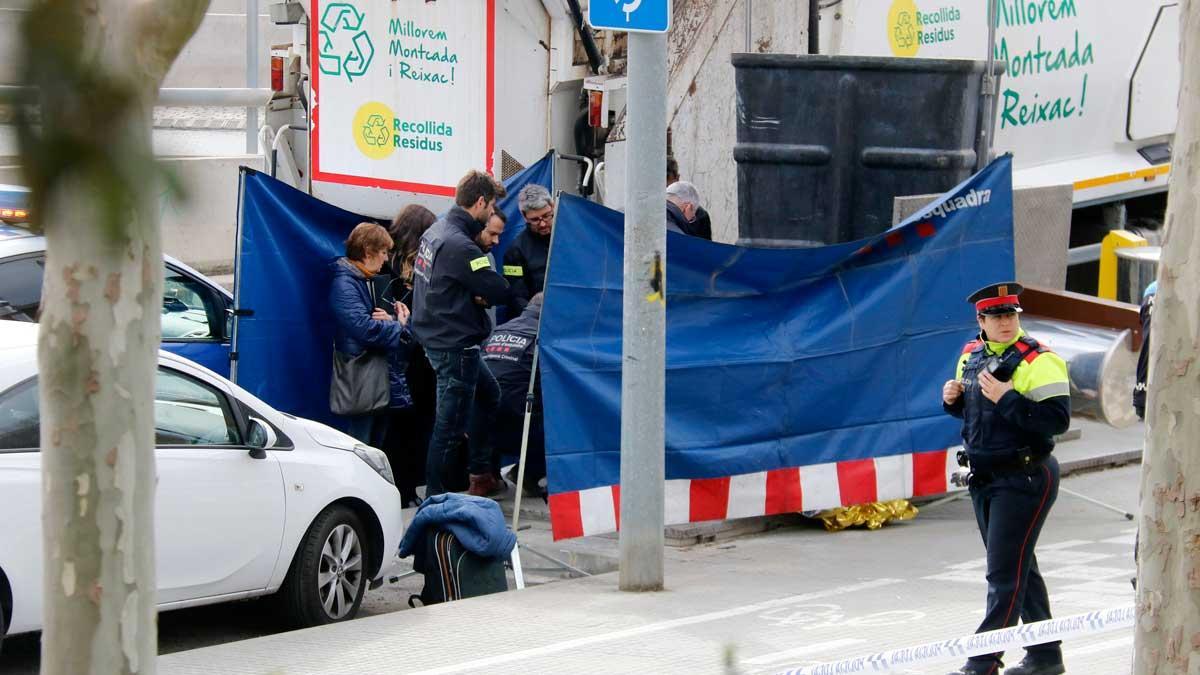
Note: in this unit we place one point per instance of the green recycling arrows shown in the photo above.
(340, 55)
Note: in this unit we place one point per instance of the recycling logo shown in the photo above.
(345, 46)
(904, 28)
(373, 129)
(905, 33)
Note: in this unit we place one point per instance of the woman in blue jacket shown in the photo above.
(361, 325)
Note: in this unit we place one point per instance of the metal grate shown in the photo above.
(1041, 232)
(509, 166)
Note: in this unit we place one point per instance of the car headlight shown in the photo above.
(376, 460)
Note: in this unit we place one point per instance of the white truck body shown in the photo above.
(1089, 82)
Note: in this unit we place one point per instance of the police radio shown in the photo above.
(1003, 367)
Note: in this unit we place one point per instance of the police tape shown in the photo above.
(990, 642)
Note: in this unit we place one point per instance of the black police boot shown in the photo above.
(1032, 666)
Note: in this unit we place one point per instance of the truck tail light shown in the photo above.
(277, 73)
(595, 108)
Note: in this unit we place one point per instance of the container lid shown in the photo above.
(839, 62)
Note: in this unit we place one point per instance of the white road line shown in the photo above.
(1071, 543)
(802, 651)
(567, 645)
(1126, 641)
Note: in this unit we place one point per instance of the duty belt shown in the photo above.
(1021, 460)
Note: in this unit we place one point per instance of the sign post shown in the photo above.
(643, 349)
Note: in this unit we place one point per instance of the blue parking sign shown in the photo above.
(635, 16)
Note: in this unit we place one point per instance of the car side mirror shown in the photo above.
(261, 437)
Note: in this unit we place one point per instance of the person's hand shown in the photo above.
(992, 388)
(951, 391)
(402, 313)
(480, 301)
(380, 315)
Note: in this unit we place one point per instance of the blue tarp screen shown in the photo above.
(776, 358)
(287, 241)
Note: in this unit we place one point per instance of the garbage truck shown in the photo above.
(381, 102)
(1088, 96)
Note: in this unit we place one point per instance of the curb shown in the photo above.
(1109, 461)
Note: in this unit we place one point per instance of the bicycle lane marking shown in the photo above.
(567, 645)
(817, 617)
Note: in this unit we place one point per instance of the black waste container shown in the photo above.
(825, 143)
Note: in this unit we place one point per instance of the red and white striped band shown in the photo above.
(806, 488)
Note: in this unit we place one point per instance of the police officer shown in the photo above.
(508, 353)
(1013, 397)
(526, 258)
(453, 281)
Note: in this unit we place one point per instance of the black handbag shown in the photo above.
(359, 384)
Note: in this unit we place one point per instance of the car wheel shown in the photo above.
(328, 576)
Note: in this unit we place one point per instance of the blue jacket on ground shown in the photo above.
(477, 523)
(350, 299)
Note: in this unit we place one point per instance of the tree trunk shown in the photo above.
(96, 360)
(1168, 595)
(98, 65)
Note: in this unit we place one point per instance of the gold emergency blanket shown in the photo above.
(873, 515)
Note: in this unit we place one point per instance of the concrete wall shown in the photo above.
(201, 230)
(705, 35)
(701, 101)
(215, 56)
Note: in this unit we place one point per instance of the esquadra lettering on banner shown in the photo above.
(403, 92)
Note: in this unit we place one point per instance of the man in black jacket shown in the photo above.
(683, 211)
(508, 353)
(525, 260)
(453, 281)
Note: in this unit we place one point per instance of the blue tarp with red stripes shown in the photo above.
(776, 358)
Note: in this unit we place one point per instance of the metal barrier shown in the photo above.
(1107, 287)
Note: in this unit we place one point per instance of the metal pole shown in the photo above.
(643, 350)
(986, 115)
(251, 74)
(814, 27)
(1097, 502)
(529, 400)
(749, 24)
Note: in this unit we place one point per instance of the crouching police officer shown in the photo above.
(1013, 396)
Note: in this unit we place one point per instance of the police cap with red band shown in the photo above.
(997, 299)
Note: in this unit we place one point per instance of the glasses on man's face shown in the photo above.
(549, 217)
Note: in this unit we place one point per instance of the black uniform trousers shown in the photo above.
(1010, 508)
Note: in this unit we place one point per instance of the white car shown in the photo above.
(250, 501)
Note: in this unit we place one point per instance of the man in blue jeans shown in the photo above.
(453, 283)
